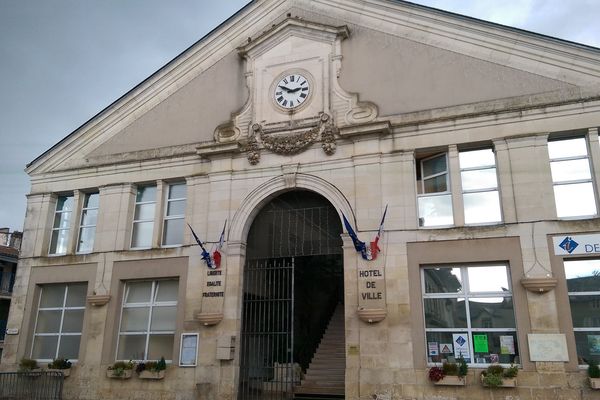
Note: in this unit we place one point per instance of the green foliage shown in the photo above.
(152, 366)
(463, 368)
(27, 364)
(161, 365)
(450, 369)
(495, 369)
(492, 380)
(120, 367)
(593, 369)
(60, 363)
(511, 372)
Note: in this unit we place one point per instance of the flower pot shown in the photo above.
(451, 380)
(506, 382)
(66, 372)
(594, 383)
(110, 373)
(152, 374)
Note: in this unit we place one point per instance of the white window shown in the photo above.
(473, 303)
(87, 227)
(60, 228)
(174, 221)
(583, 284)
(59, 321)
(148, 320)
(433, 187)
(143, 220)
(573, 188)
(479, 186)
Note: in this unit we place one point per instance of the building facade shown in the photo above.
(10, 242)
(480, 141)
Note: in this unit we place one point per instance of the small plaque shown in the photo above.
(353, 350)
(547, 347)
(12, 331)
(188, 352)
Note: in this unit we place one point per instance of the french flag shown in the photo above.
(216, 256)
(205, 254)
(370, 252)
(375, 244)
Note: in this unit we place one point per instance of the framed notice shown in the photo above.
(188, 351)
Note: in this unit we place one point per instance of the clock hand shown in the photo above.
(295, 90)
(286, 89)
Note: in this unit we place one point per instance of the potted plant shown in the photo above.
(61, 365)
(450, 373)
(28, 365)
(594, 374)
(120, 370)
(152, 369)
(498, 376)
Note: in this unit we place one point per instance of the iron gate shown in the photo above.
(267, 360)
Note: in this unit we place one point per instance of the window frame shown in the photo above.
(81, 226)
(67, 229)
(62, 309)
(136, 221)
(590, 180)
(167, 217)
(466, 294)
(151, 305)
(423, 194)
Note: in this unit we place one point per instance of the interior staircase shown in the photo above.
(324, 378)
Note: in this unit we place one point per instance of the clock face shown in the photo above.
(291, 91)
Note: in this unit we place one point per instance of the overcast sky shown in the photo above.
(62, 61)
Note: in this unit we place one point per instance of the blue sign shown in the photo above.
(568, 244)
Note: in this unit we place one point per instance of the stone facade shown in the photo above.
(392, 84)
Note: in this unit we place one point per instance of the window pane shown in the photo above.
(177, 191)
(502, 347)
(86, 239)
(58, 243)
(435, 210)
(567, 148)
(44, 347)
(588, 346)
(64, 203)
(435, 185)
(163, 319)
(583, 275)
(476, 158)
(482, 207)
(69, 347)
(176, 207)
(144, 211)
(167, 290)
(52, 296)
(444, 344)
(73, 321)
(572, 170)
(479, 179)
(62, 220)
(160, 346)
(146, 193)
(445, 313)
(91, 200)
(138, 292)
(131, 347)
(575, 200)
(442, 280)
(135, 319)
(89, 217)
(488, 279)
(142, 234)
(48, 321)
(434, 165)
(494, 312)
(76, 295)
(585, 311)
(173, 232)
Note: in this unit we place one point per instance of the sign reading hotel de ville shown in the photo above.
(571, 245)
(371, 285)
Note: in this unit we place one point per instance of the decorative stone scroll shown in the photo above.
(292, 143)
(371, 292)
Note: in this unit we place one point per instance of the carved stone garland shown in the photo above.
(292, 143)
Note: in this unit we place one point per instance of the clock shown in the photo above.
(291, 91)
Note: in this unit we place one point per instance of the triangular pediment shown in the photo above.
(402, 58)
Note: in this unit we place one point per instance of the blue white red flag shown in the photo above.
(371, 251)
(205, 254)
(216, 256)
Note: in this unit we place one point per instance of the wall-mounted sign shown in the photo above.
(371, 286)
(214, 284)
(547, 347)
(571, 245)
(188, 352)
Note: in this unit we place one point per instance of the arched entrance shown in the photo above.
(292, 314)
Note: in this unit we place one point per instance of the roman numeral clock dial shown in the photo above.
(291, 91)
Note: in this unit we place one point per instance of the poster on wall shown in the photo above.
(480, 343)
(433, 349)
(507, 345)
(188, 353)
(446, 348)
(461, 345)
(594, 344)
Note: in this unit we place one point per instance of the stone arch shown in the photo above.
(255, 200)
